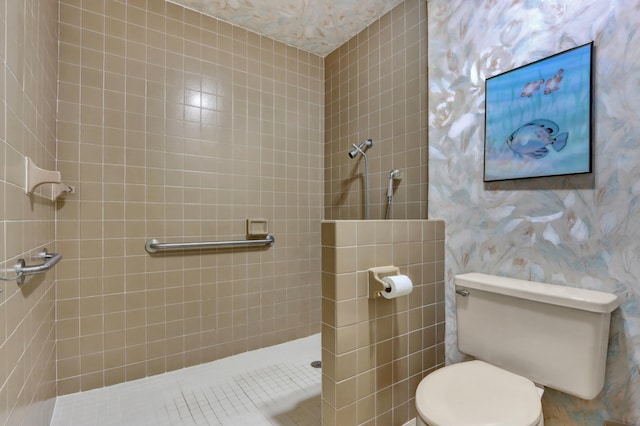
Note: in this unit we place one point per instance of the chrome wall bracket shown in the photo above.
(22, 270)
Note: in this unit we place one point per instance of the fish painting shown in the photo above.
(530, 88)
(533, 138)
(553, 83)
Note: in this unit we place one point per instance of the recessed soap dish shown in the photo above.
(257, 228)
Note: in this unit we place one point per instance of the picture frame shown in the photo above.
(538, 118)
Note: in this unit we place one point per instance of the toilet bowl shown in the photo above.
(476, 393)
(522, 333)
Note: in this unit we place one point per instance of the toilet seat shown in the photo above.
(475, 393)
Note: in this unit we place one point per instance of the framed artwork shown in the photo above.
(538, 118)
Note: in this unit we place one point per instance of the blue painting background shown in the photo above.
(569, 107)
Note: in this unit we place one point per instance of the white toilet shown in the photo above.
(524, 335)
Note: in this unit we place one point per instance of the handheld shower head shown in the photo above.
(394, 174)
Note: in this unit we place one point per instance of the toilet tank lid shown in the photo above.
(572, 297)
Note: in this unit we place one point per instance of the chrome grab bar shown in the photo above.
(154, 245)
(22, 270)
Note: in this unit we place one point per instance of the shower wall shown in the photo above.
(376, 87)
(177, 126)
(28, 64)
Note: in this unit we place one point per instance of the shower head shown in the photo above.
(394, 174)
(354, 151)
(360, 148)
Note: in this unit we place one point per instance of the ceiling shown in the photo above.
(317, 26)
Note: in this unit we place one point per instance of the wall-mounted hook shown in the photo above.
(35, 176)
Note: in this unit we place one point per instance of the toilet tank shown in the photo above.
(554, 335)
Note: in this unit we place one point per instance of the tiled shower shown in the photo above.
(174, 125)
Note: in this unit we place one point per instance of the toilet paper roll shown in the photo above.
(398, 285)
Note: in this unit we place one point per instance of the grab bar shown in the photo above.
(22, 270)
(154, 245)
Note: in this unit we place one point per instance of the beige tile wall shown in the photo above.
(376, 87)
(177, 126)
(376, 351)
(28, 73)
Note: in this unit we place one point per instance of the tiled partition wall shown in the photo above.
(177, 126)
(376, 87)
(376, 351)
(28, 71)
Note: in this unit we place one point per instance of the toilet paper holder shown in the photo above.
(376, 285)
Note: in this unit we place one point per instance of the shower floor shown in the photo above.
(270, 386)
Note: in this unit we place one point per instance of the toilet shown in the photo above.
(524, 336)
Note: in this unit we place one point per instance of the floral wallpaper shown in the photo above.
(581, 230)
(317, 26)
